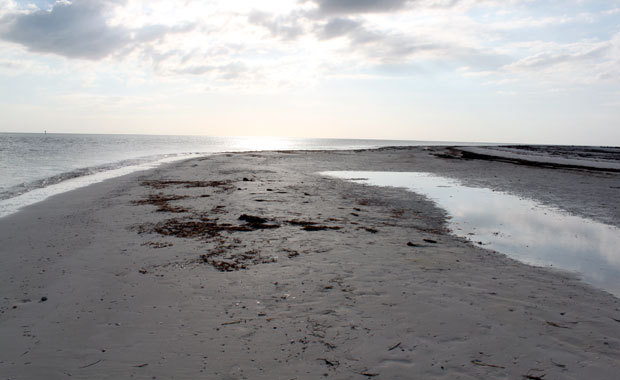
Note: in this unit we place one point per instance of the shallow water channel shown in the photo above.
(520, 228)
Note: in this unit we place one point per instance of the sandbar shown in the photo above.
(253, 266)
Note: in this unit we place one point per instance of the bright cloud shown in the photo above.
(249, 41)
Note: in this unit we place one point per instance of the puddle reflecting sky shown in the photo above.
(520, 228)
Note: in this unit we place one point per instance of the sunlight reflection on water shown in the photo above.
(264, 143)
(521, 228)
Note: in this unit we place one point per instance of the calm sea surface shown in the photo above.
(36, 166)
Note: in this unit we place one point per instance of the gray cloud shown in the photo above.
(387, 51)
(285, 27)
(397, 52)
(351, 7)
(338, 27)
(392, 50)
(78, 30)
(377, 45)
(359, 6)
(389, 47)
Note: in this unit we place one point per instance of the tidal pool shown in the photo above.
(520, 228)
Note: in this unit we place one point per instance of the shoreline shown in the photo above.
(91, 158)
(514, 154)
(334, 289)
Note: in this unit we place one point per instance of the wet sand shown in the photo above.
(252, 266)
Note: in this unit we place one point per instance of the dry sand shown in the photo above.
(129, 278)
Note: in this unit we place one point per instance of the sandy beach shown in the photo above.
(253, 266)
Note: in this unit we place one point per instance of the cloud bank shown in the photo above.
(80, 29)
(359, 6)
(297, 41)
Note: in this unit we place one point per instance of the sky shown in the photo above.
(506, 71)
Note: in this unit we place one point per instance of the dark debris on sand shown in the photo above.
(226, 256)
(234, 261)
(162, 184)
(320, 228)
(202, 228)
(256, 222)
(162, 202)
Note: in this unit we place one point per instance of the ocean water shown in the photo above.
(36, 166)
